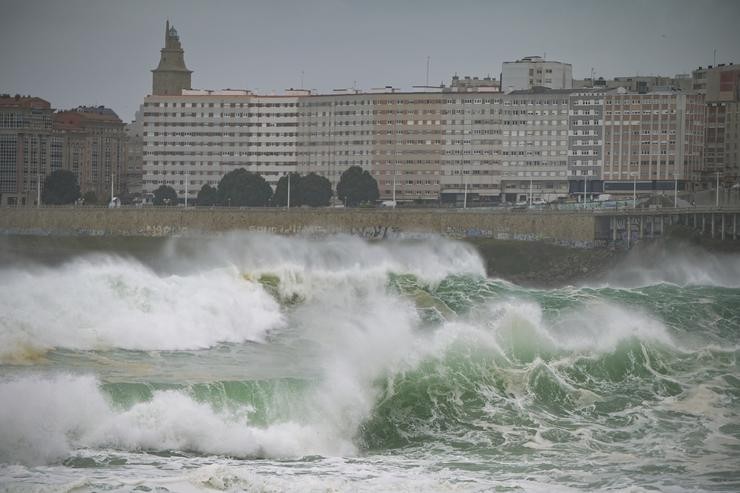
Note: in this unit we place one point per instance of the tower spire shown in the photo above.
(171, 75)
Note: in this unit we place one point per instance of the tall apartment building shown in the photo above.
(721, 87)
(94, 142)
(586, 140)
(535, 71)
(28, 148)
(652, 139)
(534, 144)
(197, 137)
(395, 136)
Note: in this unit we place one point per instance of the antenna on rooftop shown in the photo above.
(427, 79)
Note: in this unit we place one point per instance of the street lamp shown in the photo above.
(634, 190)
(288, 190)
(717, 204)
(675, 190)
(465, 193)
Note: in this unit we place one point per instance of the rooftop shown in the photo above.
(18, 101)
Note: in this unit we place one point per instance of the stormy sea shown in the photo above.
(249, 362)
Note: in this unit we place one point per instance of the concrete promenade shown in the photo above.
(574, 228)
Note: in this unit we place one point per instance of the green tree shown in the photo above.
(280, 198)
(207, 195)
(313, 190)
(357, 186)
(165, 195)
(60, 187)
(90, 198)
(240, 188)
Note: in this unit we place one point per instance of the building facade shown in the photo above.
(721, 88)
(29, 150)
(197, 137)
(653, 141)
(586, 141)
(94, 142)
(534, 71)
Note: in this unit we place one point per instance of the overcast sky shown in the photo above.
(91, 52)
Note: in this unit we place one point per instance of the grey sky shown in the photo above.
(74, 52)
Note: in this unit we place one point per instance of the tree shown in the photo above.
(90, 198)
(60, 187)
(165, 195)
(313, 190)
(207, 195)
(280, 198)
(357, 186)
(242, 188)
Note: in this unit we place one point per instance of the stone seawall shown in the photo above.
(563, 228)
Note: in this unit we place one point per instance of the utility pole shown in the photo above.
(38, 189)
(288, 190)
(111, 185)
(187, 179)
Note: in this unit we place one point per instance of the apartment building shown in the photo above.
(197, 137)
(28, 148)
(93, 147)
(534, 144)
(721, 88)
(535, 71)
(654, 139)
(586, 141)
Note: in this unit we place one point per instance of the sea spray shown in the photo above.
(351, 384)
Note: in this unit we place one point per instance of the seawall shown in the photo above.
(558, 227)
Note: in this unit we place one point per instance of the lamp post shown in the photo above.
(675, 190)
(634, 190)
(717, 201)
(531, 191)
(465, 193)
(187, 179)
(288, 190)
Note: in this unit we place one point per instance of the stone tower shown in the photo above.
(171, 76)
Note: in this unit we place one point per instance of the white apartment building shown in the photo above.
(534, 71)
(197, 137)
(534, 143)
(586, 140)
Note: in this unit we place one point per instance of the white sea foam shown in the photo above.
(109, 302)
(43, 419)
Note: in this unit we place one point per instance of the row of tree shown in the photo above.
(240, 188)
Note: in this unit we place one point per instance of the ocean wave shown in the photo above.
(110, 302)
